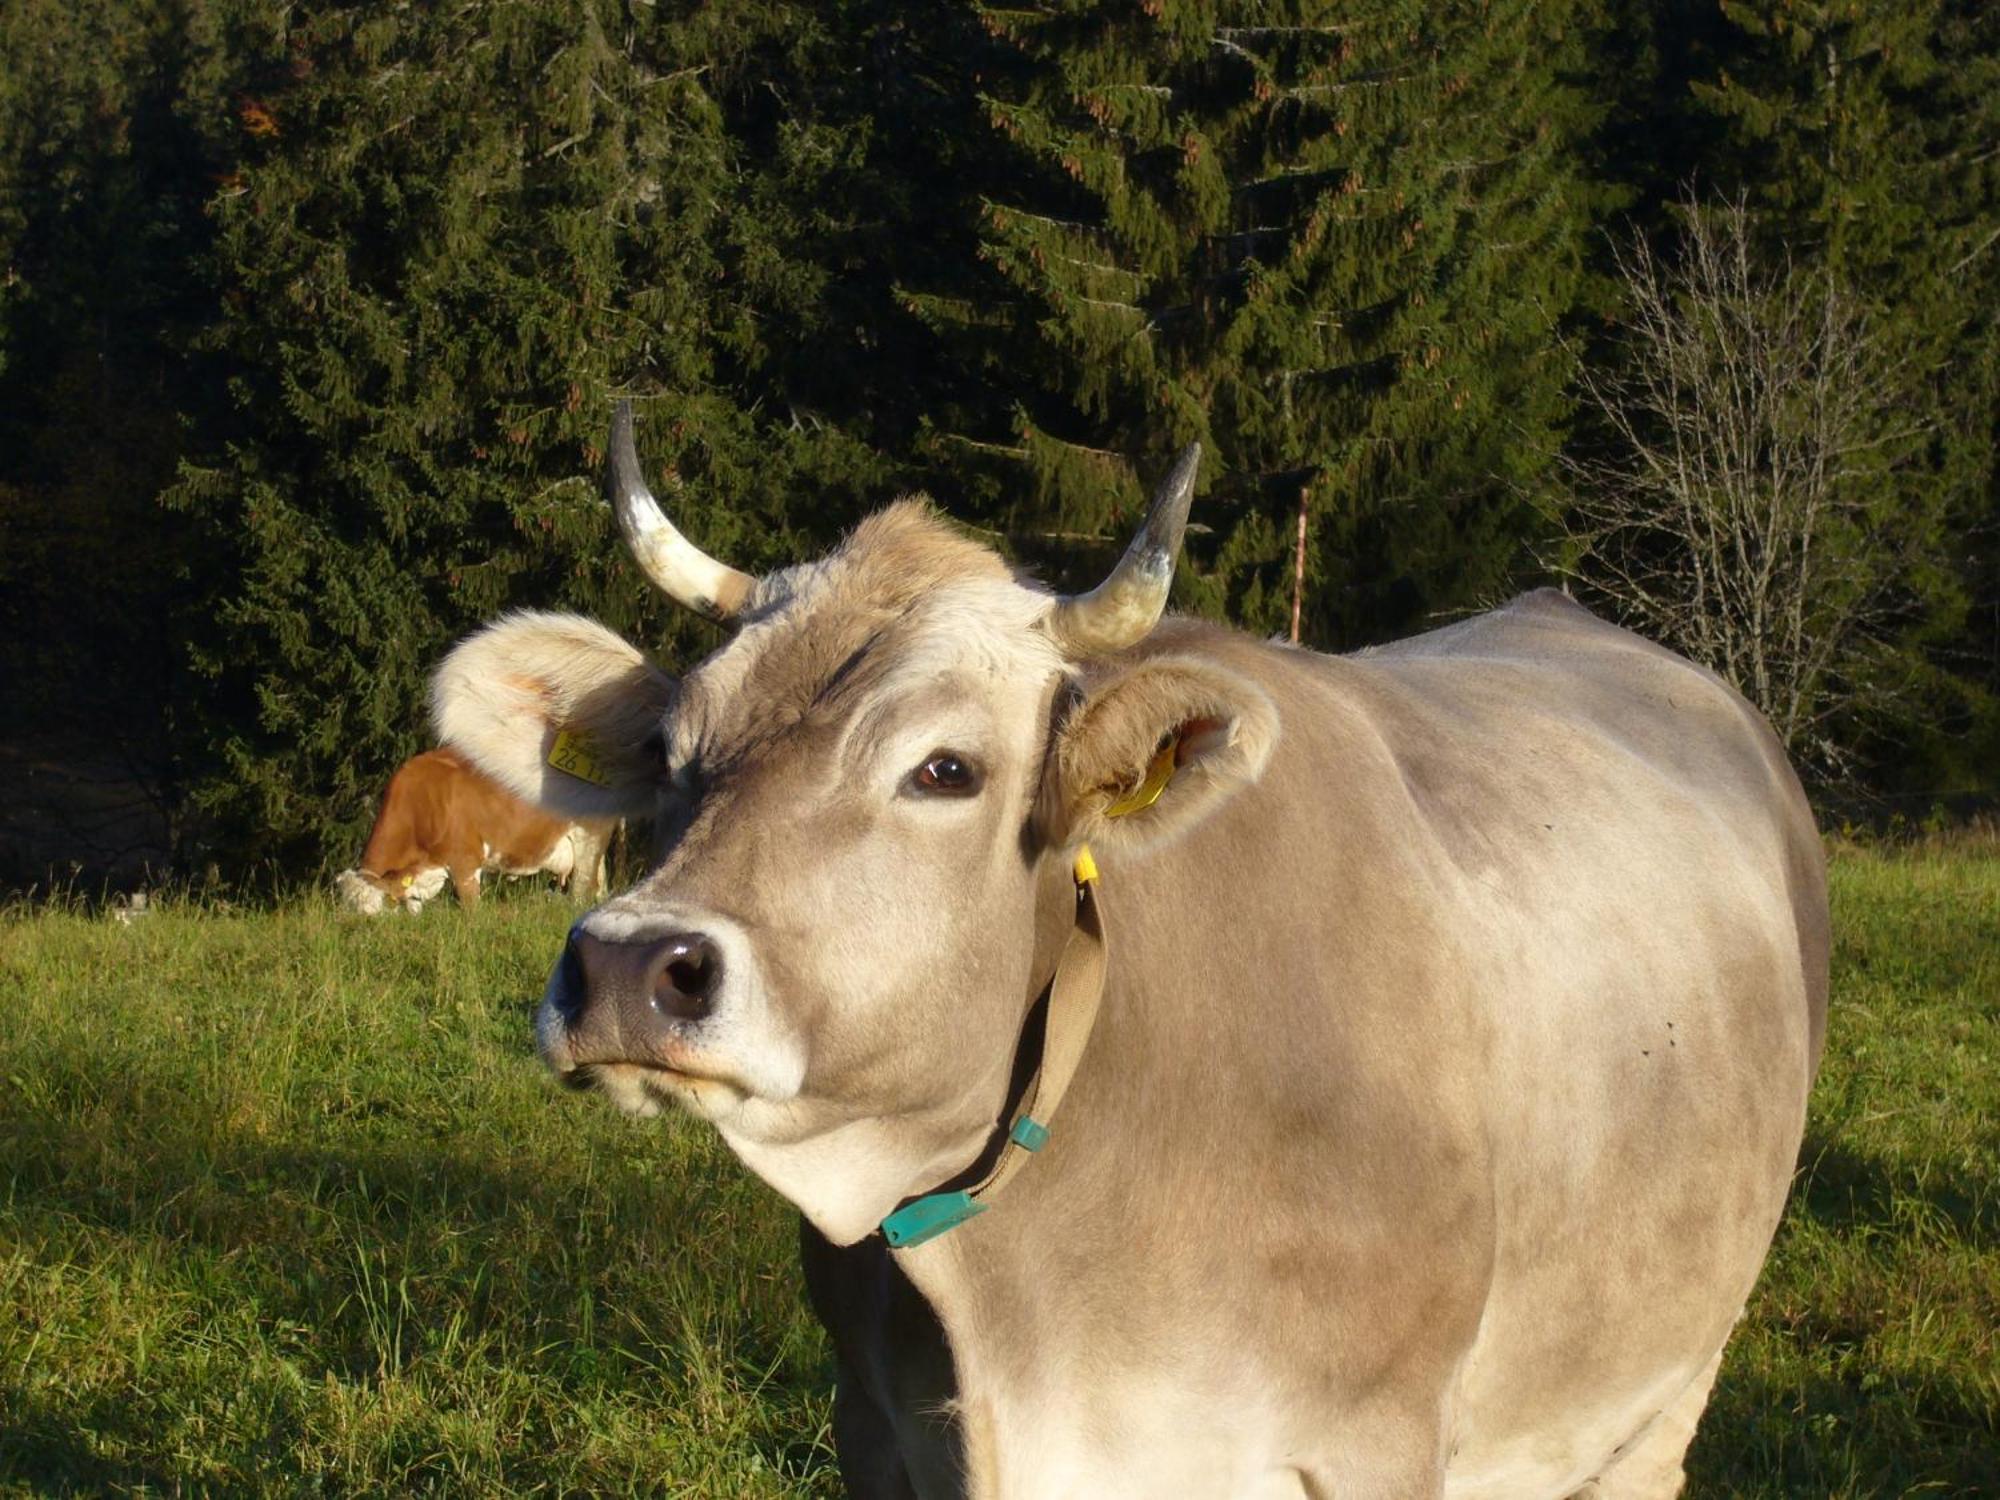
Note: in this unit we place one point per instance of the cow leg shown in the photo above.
(1649, 1467)
(465, 880)
(891, 1361)
(844, 1289)
(864, 1439)
(586, 875)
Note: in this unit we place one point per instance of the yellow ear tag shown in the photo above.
(574, 755)
(1086, 866)
(408, 881)
(1143, 796)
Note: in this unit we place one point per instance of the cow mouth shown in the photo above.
(586, 1076)
(646, 1086)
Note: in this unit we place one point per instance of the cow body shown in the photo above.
(1433, 1132)
(442, 819)
(1463, 997)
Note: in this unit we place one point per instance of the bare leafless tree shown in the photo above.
(1745, 490)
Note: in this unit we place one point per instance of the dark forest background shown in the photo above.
(311, 317)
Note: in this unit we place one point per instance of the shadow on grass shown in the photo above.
(1876, 1434)
(565, 1263)
(1845, 1191)
(1840, 1417)
(46, 1444)
(576, 1277)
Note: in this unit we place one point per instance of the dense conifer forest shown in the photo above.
(311, 318)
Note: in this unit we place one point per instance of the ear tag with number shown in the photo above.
(575, 755)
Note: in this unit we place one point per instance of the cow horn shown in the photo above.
(684, 572)
(1120, 610)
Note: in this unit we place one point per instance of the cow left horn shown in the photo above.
(1120, 610)
(684, 572)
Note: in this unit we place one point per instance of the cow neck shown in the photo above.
(1054, 1035)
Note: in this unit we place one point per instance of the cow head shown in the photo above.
(868, 802)
(370, 893)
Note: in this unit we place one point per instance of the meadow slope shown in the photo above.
(286, 1205)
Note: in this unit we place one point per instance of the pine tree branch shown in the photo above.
(693, 71)
(1336, 29)
(1366, 81)
(1110, 453)
(1003, 449)
(1078, 225)
(1040, 536)
(1970, 256)
(1296, 176)
(1093, 265)
(1259, 231)
(1330, 372)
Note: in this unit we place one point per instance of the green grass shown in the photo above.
(1868, 1363)
(286, 1205)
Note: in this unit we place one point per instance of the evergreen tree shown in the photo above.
(455, 235)
(115, 120)
(1964, 126)
(355, 287)
(1330, 241)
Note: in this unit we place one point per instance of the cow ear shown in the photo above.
(1152, 748)
(558, 710)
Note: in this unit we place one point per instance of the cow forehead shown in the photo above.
(905, 602)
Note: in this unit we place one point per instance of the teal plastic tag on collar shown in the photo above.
(1029, 1134)
(928, 1218)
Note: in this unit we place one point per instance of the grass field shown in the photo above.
(287, 1206)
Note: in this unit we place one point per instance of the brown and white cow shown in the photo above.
(1459, 1004)
(442, 818)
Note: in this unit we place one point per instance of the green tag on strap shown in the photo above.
(1029, 1134)
(928, 1217)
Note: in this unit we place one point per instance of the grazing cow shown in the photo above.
(441, 817)
(1432, 1050)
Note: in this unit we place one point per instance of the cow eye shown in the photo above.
(946, 774)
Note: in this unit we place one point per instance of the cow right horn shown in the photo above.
(683, 572)
(1120, 610)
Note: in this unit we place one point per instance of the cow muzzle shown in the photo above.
(636, 1000)
(652, 1010)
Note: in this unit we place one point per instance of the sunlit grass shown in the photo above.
(287, 1205)
(1869, 1361)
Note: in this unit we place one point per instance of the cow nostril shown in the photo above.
(572, 984)
(689, 978)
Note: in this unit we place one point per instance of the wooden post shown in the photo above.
(1299, 565)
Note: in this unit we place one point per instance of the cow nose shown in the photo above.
(672, 978)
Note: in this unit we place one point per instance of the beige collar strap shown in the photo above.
(1074, 996)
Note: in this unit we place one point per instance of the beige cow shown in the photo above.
(1459, 1004)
